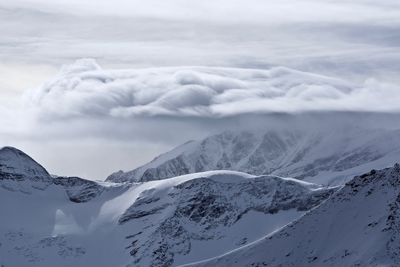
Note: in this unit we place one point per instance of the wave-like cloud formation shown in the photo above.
(84, 89)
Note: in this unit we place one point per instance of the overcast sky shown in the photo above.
(346, 55)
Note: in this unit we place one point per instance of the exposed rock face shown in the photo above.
(315, 155)
(204, 209)
(357, 226)
(67, 220)
(16, 165)
(78, 189)
(19, 172)
(197, 217)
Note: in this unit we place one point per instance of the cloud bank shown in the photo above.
(83, 89)
(91, 121)
(336, 37)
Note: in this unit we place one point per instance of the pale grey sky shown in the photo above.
(356, 41)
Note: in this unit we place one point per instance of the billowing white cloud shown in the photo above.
(84, 90)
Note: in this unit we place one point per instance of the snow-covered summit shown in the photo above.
(16, 164)
(358, 226)
(19, 172)
(328, 156)
(196, 217)
(200, 215)
(67, 221)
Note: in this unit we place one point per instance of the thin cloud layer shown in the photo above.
(85, 90)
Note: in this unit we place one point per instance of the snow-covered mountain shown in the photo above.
(19, 172)
(358, 226)
(15, 164)
(69, 221)
(206, 213)
(328, 156)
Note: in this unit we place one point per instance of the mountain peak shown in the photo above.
(360, 219)
(313, 155)
(16, 163)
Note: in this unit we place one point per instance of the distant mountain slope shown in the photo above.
(15, 163)
(328, 156)
(19, 172)
(69, 221)
(358, 226)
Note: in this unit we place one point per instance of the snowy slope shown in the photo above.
(15, 163)
(358, 226)
(205, 214)
(19, 172)
(69, 221)
(326, 156)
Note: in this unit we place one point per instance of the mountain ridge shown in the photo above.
(357, 226)
(67, 220)
(319, 156)
(16, 163)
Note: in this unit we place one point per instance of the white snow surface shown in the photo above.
(329, 155)
(358, 226)
(14, 161)
(68, 221)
